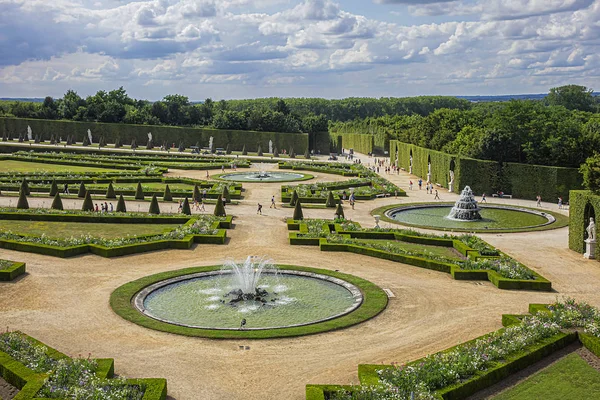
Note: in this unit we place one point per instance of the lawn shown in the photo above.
(26, 166)
(76, 229)
(439, 251)
(569, 378)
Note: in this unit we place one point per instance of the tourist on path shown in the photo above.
(560, 201)
(202, 205)
(483, 200)
(410, 184)
(273, 205)
(437, 195)
(66, 189)
(111, 207)
(180, 209)
(538, 199)
(420, 183)
(259, 210)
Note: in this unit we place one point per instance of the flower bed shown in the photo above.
(40, 372)
(9, 270)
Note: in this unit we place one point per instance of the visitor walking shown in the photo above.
(203, 194)
(437, 195)
(180, 209)
(538, 201)
(483, 200)
(273, 205)
(560, 201)
(420, 183)
(111, 207)
(96, 207)
(66, 189)
(259, 210)
(207, 175)
(202, 205)
(410, 184)
(105, 207)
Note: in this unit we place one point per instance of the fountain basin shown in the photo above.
(271, 176)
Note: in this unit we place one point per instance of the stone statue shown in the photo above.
(451, 183)
(410, 166)
(149, 136)
(90, 136)
(29, 133)
(591, 229)
(429, 173)
(270, 146)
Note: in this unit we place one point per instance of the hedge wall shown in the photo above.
(190, 136)
(583, 204)
(360, 142)
(484, 176)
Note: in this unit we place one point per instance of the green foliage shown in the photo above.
(294, 198)
(228, 149)
(572, 97)
(330, 200)
(10, 270)
(185, 209)
(339, 211)
(154, 208)
(139, 192)
(57, 202)
(82, 190)
(583, 204)
(121, 204)
(110, 192)
(226, 195)
(197, 195)
(591, 173)
(167, 195)
(244, 152)
(362, 143)
(298, 215)
(88, 205)
(22, 202)
(25, 187)
(220, 208)
(259, 151)
(53, 188)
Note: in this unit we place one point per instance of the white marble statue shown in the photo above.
(410, 166)
(451, 183)
(90, 136)
(429, 173)
(591, 229)
(149, 136)
(29, 133)
(210, 143)
(271, 146)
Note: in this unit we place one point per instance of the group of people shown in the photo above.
(104, 207)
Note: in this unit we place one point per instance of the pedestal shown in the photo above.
(428, 178)
(377, 217)
(451, 187)
(590, 248)
(410, 170)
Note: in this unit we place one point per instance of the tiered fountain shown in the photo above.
(466, 207)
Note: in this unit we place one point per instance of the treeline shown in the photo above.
(555, 132)
(268, 115)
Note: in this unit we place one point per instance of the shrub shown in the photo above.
(196, 193)
(294, 198)
(88, 205)
(259, 151)
(110, 192)
(167, 195)
(220, 208)
(57, 202)
(275, 152)
(591, 173)
(53, 188)
(298, 215)
(228, 149)
(244, 152)
(121, 204)
(226, 194)
(139, 192)
(154, 208)
(339, 212)
(307, 154)
(330, 200)
(22, 202)
(25, 187)
(185, 209)
(82, 191)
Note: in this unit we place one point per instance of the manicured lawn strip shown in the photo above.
(375, 301)
(435, 250)
(569, 378)
(26, 166)
(29, 382)
(305, 177)
(9, 270)
(560, 220)
(56, 229)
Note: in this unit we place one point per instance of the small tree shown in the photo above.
(110, 192)
(591, 173)
(139, 192)
(57, 202)
(185, 208)
(228, 149)
(121, 204)
(86, 141)
(22, 202)
(82, 191)
(244, 152)
(259, 152)
(167, 195)
(133, 144)
(275, 152)
(196, 195)
(88, 204)
(226, 194)
(298, 215)
(307, 154)
(294, 198)
(53, 188)
(292, 154)
(339, 211)
(330, 200)
(25, 187)
(154, 208)
(118, 142)
(220, 208)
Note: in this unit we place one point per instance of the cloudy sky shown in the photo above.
(297, 48)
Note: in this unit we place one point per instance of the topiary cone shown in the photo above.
(298, 215)
(82, 191)
(110, 192)
(88, 205)
(154, 208)
(167, 195)
(196, 195)
(307, 154)
(294, 198)
(25, 187)
(292, 154)
(22, 203)
(244, 152)
(139, 192)
(339, 211)
(259, 152)
(275, 152)
(330, 200)
(228, 149)
(220, 208)
(57, 202)
(185, 208)
(121, 204)
(226, 194)
(53, 188)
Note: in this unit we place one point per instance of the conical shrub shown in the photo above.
(53, 188)
(339, 211)
(167, 195)
(121, 204)
(118, 142)
(22, 202)
(57, 202)
(330, 200)
(110, 192)
(294, 198)
(298, 215)
(228, 149)
(88, 205)
(259, 151)
(185, 208)
(244, 152)
(275, 152)
(139, 192)
(86, 141)
(154, 208)
(292, 154)
(307, 154)
(25, 187)
(220, 208)
(226, 194)
(196, 195)
(82, 191)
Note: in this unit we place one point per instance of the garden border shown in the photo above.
(15, 270)
(305, 177)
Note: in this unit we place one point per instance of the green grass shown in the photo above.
(26, 166)
(569, 378)
(439, 251)
(76, 229)
(5, 264)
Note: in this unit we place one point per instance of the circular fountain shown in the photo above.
(262, 175)
(252, 296)
(465, 208)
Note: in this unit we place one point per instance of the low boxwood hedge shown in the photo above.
(12, 272)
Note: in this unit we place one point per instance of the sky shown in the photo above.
(231, 49)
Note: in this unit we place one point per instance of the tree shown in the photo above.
(185, 208)
(57, 202)
(339, 211)
(139, 192)
(82, 191)
(298, 215)
(110, 192)
(70, 104)
(330, 200)
(154, 208)
(220, 208)
(591, 173)
(226, 195)
(22, 202)
(121, 204)
(196, 195)
(25, 187)
(572, 97)
(167, 194)
(294, 198)
(282, 107)
(53, 188)
(88, 205)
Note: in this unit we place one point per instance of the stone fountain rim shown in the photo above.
(140, 297)
(302, 177)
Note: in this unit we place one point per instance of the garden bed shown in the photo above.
(10, 270)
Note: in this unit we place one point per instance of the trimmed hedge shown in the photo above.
(360, 142)
(29, 382)
(10, 273)
(583, 205)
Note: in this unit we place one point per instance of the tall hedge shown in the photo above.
(167, 195)
(57, 202)
(339, 211)
(583, 204)
(121, 207)
(298, 214)
(139, 192)
(360, 142)
(22, 202)
(154, 208)
(294, 198)
(110, 192)
(88, 205)
(220, 208)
